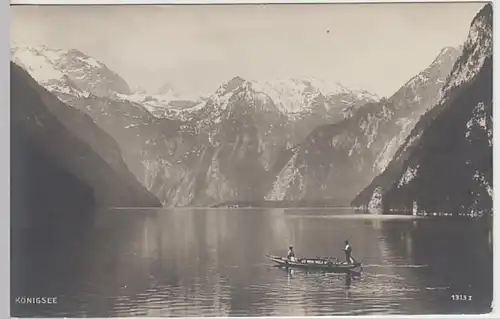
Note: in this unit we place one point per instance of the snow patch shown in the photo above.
(287, 95)
(222, 101)
(37, 65)
(159, 105)
(54, 56)
(90, 61)
(355, 147)
(131, 125)
(408, 175)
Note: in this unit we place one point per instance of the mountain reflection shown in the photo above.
(212, 263)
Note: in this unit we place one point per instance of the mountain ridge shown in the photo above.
(464, 115)
(182, 151)
(359, 147)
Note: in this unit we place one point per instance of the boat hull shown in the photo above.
(314, 264)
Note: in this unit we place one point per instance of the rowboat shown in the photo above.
(325, 264)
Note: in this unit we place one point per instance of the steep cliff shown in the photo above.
(445, 165)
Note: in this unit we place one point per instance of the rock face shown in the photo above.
(336, 161)
(227, 149)
(445, 164)
(62, 158)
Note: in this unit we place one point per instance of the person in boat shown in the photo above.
(291, 254)
(348, 253)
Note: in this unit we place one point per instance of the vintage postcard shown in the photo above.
(251, 160)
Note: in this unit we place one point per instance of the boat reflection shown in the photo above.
(347, 277)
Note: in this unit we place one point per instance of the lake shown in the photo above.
(212, 263)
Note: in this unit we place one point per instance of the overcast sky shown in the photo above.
(377, 47)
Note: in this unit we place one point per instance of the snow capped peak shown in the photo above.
(39, 62)
(169, 104)
(55, 56)
(169, 92)
(313, 85)
(289, 95)
(70, 68)
(329, 87)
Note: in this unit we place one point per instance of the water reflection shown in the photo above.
(212, 263)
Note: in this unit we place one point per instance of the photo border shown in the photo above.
(5, 131)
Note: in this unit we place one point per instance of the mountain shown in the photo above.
(336, 161)
(72, 75)
(69, 72)
(167, 102)
(287, 109)
(89, 86)
(165, 105)
(293, 97)
(236, 134)
(231, 143)
(61, 159)
(445, 164)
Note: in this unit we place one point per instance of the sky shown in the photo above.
(195, 48)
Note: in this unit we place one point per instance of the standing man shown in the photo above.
(348, 253)
(291, 254)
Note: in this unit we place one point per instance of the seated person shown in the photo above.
(291, 254)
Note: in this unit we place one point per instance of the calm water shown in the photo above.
(212, 263)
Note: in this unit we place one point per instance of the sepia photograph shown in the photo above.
(251, 160)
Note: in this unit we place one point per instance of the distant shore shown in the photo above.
(276, 205)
